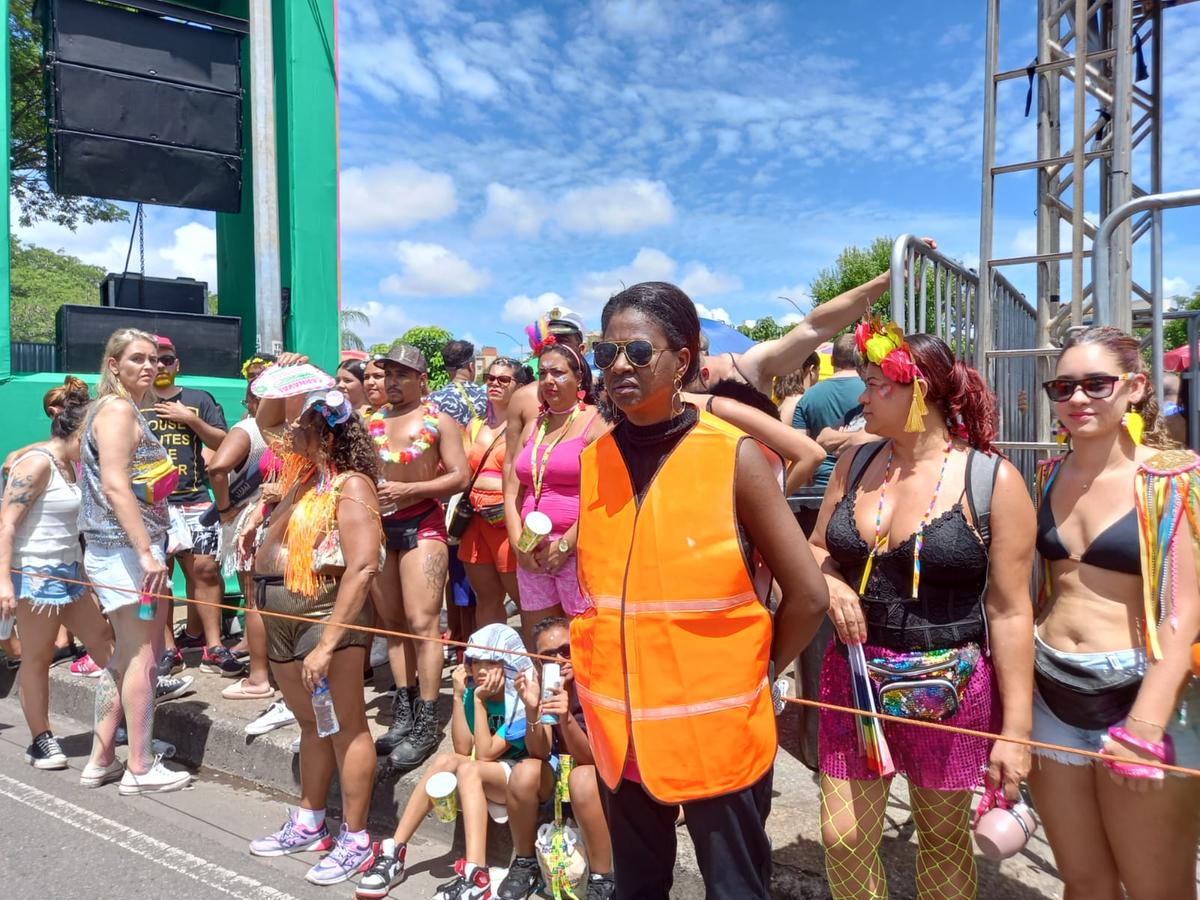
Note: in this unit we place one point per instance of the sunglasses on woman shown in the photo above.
(503, 380)
(1060, 390)
(639, 352)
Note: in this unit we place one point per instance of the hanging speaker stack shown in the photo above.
(145, 103)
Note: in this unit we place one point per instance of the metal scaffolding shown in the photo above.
(1105, 57)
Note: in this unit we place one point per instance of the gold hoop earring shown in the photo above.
(677, 398)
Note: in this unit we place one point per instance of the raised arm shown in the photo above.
(1009, 612)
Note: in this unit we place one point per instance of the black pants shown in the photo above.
(731, 842)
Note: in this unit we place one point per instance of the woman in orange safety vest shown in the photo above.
(673, 659)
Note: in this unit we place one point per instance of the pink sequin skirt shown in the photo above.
(931, 759)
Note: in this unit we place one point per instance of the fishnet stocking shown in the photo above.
(945, 863)
(852, 818)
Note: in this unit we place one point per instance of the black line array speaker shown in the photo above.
(132, 291)
(144, 107)
(207, 345)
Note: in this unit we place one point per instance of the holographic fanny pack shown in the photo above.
(925, 684)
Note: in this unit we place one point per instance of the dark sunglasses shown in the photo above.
(563, 652)
(167, 360)
(639, 352)
(499, 379)
(1060, 390)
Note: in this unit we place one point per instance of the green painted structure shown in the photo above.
(306, 139)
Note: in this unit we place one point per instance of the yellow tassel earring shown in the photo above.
(918, 409)
(1133, 422)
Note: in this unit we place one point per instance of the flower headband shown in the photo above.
(333, 405)
(255, 361)
(884, 345)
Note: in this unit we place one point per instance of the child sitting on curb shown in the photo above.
(533, 778)
(487, 730)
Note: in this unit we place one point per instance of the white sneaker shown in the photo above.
(379, 651)
(276, 716)
(98, 776)
(295, 747)
(158, 779)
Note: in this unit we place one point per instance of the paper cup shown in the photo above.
(441, 788)
(534, 530)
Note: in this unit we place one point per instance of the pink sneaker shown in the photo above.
(85, 666)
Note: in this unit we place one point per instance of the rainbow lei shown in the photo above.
(424, 439)
(884, 345)
(1167, 497)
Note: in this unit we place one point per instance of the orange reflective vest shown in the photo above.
(672, 660)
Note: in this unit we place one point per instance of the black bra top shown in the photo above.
(948, 610)
(1116, 548)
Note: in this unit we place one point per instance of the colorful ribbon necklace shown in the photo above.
(879, 545)
(539, 466)
(424, 439)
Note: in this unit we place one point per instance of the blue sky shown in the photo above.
(499, 158)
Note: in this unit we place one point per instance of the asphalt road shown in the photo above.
(60, 839)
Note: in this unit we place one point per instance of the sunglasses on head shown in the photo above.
(563, 652)
(167, 360)
(499, 379)
(1060, 390)
(639, 352)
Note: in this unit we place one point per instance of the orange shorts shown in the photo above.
(487, 545)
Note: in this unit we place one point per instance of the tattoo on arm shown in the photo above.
(18, 490)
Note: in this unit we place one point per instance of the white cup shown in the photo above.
(534, 530)
(442, 789)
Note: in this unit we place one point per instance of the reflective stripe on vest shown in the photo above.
(672, 657)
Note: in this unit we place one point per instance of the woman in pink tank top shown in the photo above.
(545, 477)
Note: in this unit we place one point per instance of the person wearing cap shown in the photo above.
(462, 399)
(187, 422)
(420, 466)
(487, 730)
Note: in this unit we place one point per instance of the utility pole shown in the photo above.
(267, 285)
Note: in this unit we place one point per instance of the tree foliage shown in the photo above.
(764, 329)
(42, 281)
(28, 143)
(348, 320)
(855, 266)
(1175, 332)
(429, 339)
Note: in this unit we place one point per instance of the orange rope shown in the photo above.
(800, 701)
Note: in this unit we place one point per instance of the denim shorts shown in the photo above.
(1184, 726)
(116, 574)
(42, 587)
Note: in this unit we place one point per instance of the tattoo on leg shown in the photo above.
(434, 565)
(108, 709)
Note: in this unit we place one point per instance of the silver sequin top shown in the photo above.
(97, 522)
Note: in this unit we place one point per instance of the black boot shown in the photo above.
(402, 721)
(421, 741)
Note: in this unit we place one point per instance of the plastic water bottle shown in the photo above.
(327, 722)
(551, 684)
(6, 627)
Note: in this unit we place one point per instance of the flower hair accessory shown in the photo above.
(332, 405)
(884, 345)
(255, 361)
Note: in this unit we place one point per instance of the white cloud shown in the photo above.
(386, 66)
(797, 293)
(511, 211)
(791, 319)
(432, 270)
(397, 195)
(594, 288)
(719, 313)
(193, 253)
(471, 80)
(1176, 287)
(524, 309)
(700, 281)
(634, 17)
(621, 207)
(388, 321)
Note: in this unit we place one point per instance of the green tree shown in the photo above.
(42, 281)
(1175, 332)
(28, 143)
(855, 266)
(764, 329)
(430, 340)
(348, 320)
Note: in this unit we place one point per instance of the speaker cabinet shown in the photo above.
(207, 345)
(131, 291)
(144, 107)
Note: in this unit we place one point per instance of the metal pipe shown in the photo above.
(268, 291)
(1156, 232)
(1105, 314)
(988, 182)
(1193, 327)
(1120, 181)
(1078, 162)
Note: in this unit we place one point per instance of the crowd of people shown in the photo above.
(631, 500)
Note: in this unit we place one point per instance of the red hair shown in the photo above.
(957, 390)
